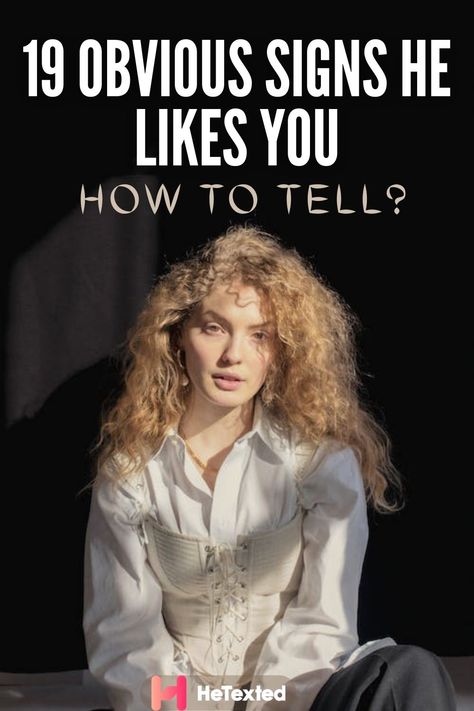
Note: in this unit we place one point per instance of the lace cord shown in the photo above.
(229, 600)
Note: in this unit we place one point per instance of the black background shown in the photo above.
(76, 283)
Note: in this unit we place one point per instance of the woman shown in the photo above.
(228, 523)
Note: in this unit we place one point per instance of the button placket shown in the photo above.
(226, 494)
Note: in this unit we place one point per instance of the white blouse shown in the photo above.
(257, 490)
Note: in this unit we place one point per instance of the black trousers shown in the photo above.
(402, 677)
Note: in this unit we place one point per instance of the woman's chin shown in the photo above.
(226, 398)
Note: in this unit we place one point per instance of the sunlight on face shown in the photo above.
(228, 344)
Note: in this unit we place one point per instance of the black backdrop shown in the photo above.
(76, 283)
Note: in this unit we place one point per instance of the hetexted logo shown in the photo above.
(189, 694)
(160, 693)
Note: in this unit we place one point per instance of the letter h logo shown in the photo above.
(158, 694)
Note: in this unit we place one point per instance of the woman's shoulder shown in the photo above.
(310, 459)
(315, 453)
(128, 494)
(327, 471)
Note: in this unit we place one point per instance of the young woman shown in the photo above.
(228, 523)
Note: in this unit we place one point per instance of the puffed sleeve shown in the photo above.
(318, 631)
(126, 639)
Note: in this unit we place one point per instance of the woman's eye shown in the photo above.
(212, 327)
(216, 328)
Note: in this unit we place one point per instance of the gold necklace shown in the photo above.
(197, 459)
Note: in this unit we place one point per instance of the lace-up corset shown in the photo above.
(220, 601)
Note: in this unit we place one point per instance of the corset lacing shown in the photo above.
(229, 599)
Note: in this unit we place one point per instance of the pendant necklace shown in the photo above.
(197, 459)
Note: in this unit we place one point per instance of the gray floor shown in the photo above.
(78, 691)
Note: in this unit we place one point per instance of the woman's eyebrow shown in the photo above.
(218, 316)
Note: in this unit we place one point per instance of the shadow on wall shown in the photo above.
(72, 297)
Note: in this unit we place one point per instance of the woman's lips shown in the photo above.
(226, 382)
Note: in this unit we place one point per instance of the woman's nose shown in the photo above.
(233, 350)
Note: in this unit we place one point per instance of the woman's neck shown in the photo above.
(213, 428)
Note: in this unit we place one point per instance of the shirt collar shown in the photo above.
(261, 426)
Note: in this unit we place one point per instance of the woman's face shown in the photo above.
(228, 345)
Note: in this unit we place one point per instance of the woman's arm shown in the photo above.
(319, 628)
(126, 639)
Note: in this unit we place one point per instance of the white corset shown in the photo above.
(225, 599)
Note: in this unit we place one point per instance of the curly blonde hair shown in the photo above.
(312, 384)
